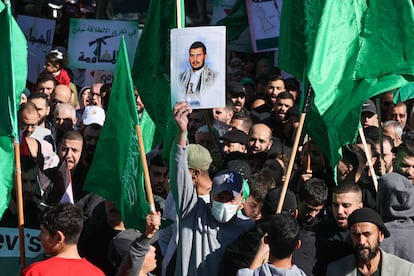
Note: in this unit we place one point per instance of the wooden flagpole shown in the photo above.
(19, 198)
(308, 99)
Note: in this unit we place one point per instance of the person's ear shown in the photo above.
(59, 239)
(270, 144)
(266, 239)
(295, 213)
(381, 236)
(298, 244)
(349, 168)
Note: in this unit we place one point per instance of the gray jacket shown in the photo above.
(390, 266)
(202, 240)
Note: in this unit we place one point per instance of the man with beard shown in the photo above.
(404, 160)
(41, 101)
(260, 139)
(237, 93)
(197, 80)
(367, 232)
(333, 237)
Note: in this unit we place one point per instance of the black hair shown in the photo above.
(39, 95)
(260, 184)
(284, 95)
(66, 218)
(199, 44)
(313, 191)
(283, 235)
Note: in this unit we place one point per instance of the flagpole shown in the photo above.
(308, 99)
(368, 156)
(19, 198)
(147, 181)
(180, 14)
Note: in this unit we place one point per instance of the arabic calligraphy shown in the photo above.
(41, 39)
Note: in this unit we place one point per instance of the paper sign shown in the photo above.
(93, 44)
(39, 33)
(264, 22)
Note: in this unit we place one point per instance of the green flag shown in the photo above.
(298, 25)
(236, 21)
(116, 172)
(342, 72)
(13, 57)
(151, 70)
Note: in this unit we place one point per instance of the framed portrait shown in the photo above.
(198, 66)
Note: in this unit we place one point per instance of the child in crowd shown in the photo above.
(55, 65)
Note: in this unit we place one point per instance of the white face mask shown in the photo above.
(223, 212)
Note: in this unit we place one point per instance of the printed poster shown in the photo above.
(198, 69)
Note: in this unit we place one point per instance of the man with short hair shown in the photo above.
(64, 119)
(399, 114)
(313, 195)
(281, 241)
(199, 79)
(275, 86)
(404, 160)
(205, 230)
(71, 149)
(284, 101)
(158, 173)
(41, 101)
(46, 84)
(367, 232)
(224, 114)
(60, 228)
(334, 240)
(387, 156)
(241, 122)
(260, 138)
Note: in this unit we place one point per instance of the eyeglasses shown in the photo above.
(27, 126)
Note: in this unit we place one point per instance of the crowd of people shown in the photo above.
(221, 185)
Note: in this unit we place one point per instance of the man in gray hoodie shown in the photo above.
(204, 229)
(396, 207)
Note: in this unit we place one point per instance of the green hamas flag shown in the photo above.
(298, 24)
(116, 172)
(342, 71)
(13, 56)
(151, 70)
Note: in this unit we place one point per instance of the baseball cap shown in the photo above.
(93, 115)
(272, 200)
(368, 215)
(228, 180)
(198, 157)
(235, 136)
(369, 106)
(235, 88)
